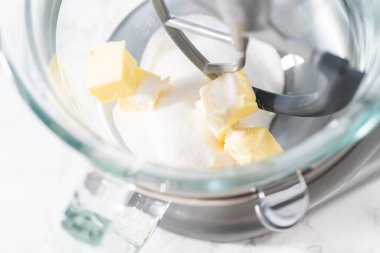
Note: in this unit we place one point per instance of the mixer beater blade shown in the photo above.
(251, 18)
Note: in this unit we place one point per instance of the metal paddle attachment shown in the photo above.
(254, 21)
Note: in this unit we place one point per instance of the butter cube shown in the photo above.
(249, 145)
(147, 94)
(112, 72)
(226, 100)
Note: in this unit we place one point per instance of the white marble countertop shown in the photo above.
(39, 174)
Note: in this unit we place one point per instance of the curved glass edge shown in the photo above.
(120, 164)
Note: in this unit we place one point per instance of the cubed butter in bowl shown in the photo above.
(148, 92)
(112, 72)
(248, 145)
(226, 100)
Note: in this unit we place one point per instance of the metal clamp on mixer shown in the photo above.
(254, 19)
(281, 206)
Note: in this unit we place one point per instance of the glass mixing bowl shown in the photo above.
(46, 43)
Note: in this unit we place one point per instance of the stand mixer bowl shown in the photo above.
(45, 44)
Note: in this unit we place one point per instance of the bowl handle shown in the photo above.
(110, 215)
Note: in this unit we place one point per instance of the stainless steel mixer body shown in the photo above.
(234, 218)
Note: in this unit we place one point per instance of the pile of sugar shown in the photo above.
(175, 133)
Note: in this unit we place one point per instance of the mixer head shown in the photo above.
(252, 18)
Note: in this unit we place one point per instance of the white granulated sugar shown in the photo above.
(224, 93)
(175, 133)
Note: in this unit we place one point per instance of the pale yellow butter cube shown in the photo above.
(112, 72)
(249, 145)
(147, 94)
(226, 100)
